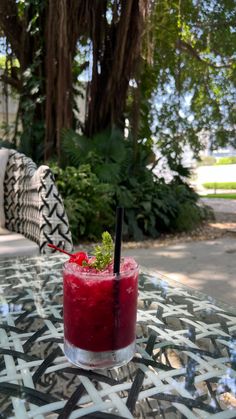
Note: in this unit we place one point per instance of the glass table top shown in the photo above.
(184, 366)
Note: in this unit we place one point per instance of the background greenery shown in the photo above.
(156, 77)
(226, 160)
(221, 195)
(220, 185)
(104, 176)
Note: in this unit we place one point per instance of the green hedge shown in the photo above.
(220, 185)
(226, 160)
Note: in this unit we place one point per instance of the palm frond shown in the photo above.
(75, 147)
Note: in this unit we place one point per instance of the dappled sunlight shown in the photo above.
(223, 226)
(172, 254)
(208, 274)
(206, 266)
(215, 285)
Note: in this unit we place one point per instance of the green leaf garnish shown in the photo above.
(103, 252)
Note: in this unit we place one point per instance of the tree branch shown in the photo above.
(185, 47)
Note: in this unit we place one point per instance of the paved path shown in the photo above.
(221, 205)
(207, 266)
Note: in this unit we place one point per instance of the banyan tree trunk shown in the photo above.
(116, 49)
(61, 35)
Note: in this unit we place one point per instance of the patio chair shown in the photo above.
(32, 206)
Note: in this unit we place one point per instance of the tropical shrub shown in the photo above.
(105, 175)
(187, 214)
(188, 217)
(88, 202)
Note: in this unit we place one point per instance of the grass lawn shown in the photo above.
(220, 195)
(220, 185)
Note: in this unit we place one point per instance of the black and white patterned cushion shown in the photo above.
(33, 205)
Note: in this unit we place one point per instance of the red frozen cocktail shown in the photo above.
(100, 314)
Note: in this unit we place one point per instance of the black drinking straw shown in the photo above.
(118, 237)
(116, 271)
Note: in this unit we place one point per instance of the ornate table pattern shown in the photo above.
(184, 366)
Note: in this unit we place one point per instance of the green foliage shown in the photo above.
(164, 208)
(107, 146)
(186, 84)
(31, 139)
(188, 79)
(151, 206)
(186, 75)
(188, 217)
(220, 185)
(187, 214)
(28, 80)
(104, 252)
(88, 202)
(226, 160)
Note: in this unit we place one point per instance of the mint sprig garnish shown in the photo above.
(103, 253)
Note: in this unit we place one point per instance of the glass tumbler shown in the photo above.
(99, 310)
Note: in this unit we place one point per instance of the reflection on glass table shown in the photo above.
(184, 366)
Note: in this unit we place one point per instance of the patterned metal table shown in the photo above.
(184, 366)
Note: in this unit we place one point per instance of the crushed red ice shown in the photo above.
(127, 263)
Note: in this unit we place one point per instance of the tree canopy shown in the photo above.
(168, 67)
(189, 82)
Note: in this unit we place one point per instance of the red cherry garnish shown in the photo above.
(79, 258)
